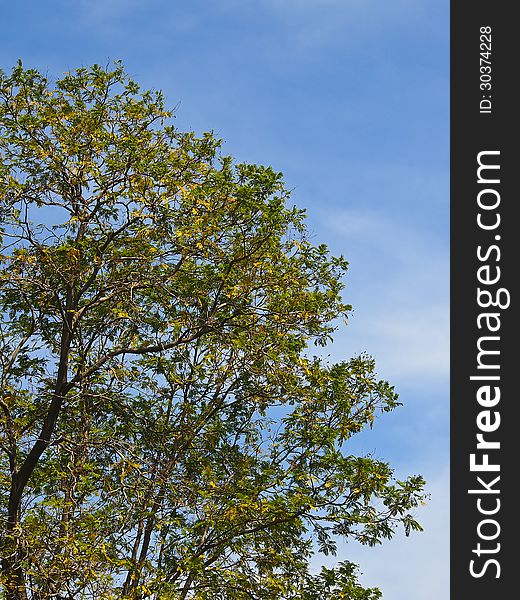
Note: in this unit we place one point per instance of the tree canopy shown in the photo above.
(166, 431)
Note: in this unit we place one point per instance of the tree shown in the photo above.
(165, 431)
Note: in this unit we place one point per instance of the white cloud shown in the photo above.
(412, 343)
(315, 23)
(110, 9)
(413, 568)
(398, 285)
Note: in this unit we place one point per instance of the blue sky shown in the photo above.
(350, 99)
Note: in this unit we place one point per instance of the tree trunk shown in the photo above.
(12, 570)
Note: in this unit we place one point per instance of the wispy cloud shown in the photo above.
(398, 286)
(414, 568)
(412, 343)
(324, 23)
(110, 9)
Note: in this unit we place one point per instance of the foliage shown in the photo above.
(165, 431)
